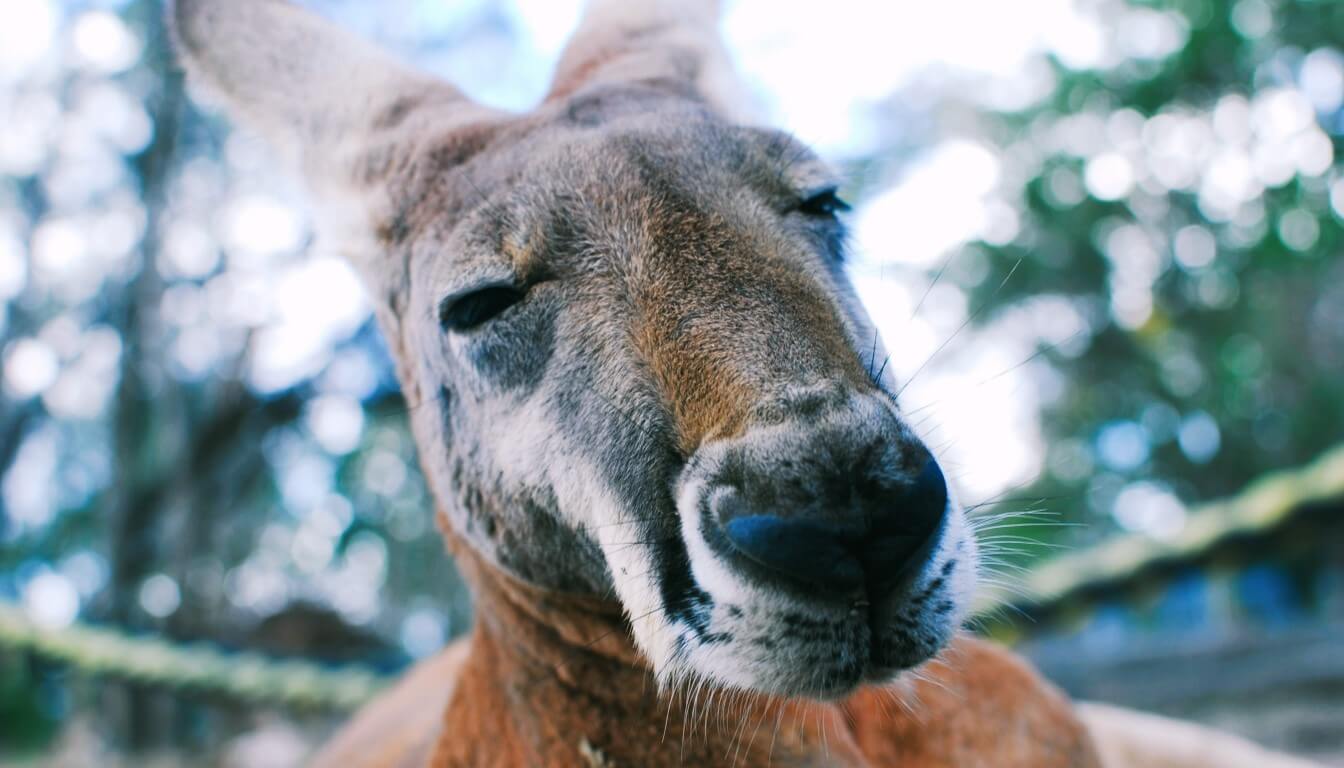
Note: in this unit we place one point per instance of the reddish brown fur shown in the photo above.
(553, 680)
(717, 347)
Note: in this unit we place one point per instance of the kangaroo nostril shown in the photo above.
(916, 508)
(907, 534)
(829, 540)
(808, 551)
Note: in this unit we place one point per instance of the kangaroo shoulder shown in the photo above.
(976, 705)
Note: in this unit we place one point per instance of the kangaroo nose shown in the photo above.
(872, 546)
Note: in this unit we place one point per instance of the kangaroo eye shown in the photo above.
(822, 203)
(470, 310)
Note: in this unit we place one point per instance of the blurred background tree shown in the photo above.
(1101, 237)
(201, 436)
(1175, 222)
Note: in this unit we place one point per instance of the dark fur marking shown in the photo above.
(523, 531)
(395, 230)
(683, 599)
(396, 112)
(446, 411)
(905, 622)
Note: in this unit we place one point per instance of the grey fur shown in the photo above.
(683, 318)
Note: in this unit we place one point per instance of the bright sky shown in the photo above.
(819, 64)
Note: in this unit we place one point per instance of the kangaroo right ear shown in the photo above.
(348, 113)
(672, 43)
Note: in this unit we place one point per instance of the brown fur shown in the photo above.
(697, 356)
(552, 680)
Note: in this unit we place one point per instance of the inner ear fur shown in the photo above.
(304, 83)
(673, 44)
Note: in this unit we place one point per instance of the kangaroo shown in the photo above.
(652, 414)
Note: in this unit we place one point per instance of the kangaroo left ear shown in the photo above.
(309, 86)
(351, 116)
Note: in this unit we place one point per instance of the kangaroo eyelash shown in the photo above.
(822, 203)
(464, 312)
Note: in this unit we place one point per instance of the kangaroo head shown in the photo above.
(634, 362)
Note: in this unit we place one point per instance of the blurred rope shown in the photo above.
(153, 661)
(156, 662)
(1262, 507)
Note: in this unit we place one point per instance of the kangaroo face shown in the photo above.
(636, 366)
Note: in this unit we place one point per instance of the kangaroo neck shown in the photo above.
(554, 679)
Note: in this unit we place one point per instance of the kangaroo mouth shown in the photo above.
(802, 607)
